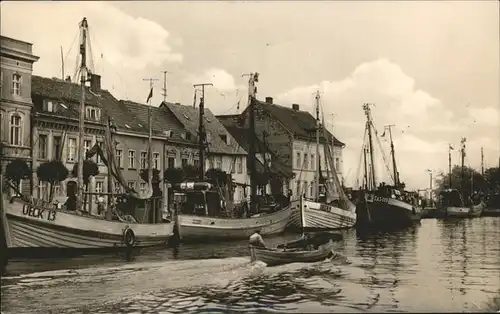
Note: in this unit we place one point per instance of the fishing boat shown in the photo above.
(324, 213)
(35, 225)
(451, 200)
(203, 208)
(383, 206)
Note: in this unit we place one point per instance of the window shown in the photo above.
(218, 162)
(188, 136)
(337, 163)
(50, 106)
(71, 149)
(118, 187)
(131, 159)
(297, 186)
(92, 113)
(86, 145)
(16, 84)
(184, 162)
(223, 137)
(144, 158)
(16, 129)
(312, 189)
(156, 160)
(241, 193)
(233, 165)
(143, 187)
(99, 186)
(306, 161)
(304, 187)
(298, 160)
(131, 184)
(196, 162)
(119, 157)
(43, 190)
(42, 146)
(239, 165)
(313, 166)
(57, 148)
(98, 158)
(171, 162)
(210, 163)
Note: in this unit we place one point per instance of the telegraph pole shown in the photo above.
(164, 89)
(201, 129)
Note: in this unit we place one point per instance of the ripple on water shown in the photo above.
(438, 266)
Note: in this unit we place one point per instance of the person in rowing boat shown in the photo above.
(256, 240)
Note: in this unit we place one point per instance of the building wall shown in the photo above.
(16, 65)
(304, 166)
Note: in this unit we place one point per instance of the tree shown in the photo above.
(191, 172)
(52, 172)
(478, 182)
(16, 171)
(217, 177)
(492, 178)
(173, 175)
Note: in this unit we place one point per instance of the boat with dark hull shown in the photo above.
(383, 206)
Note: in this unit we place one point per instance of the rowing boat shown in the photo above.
(274, 257)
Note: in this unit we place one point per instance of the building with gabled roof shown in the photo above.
(223, 151)
(291, 135)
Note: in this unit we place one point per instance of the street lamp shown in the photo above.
(430, 186)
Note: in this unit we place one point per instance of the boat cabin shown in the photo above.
(198, 198)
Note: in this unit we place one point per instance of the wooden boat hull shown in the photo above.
(383, 212)
(273, 257)
(465, 212)
(201, 228)
(35, 225)
(321, 217)
(491, 212)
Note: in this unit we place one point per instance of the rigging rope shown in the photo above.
(382, 151)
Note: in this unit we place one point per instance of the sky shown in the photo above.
(431, 68)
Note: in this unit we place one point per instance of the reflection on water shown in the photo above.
(438, 266)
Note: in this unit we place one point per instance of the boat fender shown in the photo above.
(129, 237)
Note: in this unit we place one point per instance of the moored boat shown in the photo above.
(324, 213)
(383, 206)
(33, 226)
(203, 213)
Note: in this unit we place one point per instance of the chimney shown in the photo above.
(295, 107)
(68, 79)
(95, 82)
(269, 100)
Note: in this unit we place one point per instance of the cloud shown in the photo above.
(122, 46)
(423, 124)
(220, 78)
(486, 116)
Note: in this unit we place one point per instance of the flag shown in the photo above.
(150, 95)
(451, 147)
(383, 134)
(194, 100)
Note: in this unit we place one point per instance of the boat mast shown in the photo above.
(317, 146)
(393, 154)
(252, 91)
(201, 130)
(365, 152)
(81, 126)
(449, 164)
(462, 157)
(482, 162)
(366, 108)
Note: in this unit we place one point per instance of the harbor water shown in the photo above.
(436, 266)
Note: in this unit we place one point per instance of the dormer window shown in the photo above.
(50, 106)
(185, 116)
(208, 137)
(188, 136)
(224, 138)
(93, 113)
(16, 84)
(208, 120)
